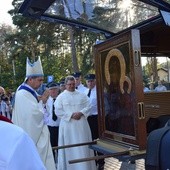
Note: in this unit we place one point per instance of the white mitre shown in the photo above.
(34, 69)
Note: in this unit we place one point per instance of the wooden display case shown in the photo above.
(120, 90)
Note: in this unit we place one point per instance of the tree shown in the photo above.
(36, 38)
(150, 69)
(6, 78)
(63, 49)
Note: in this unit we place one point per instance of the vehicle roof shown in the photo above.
(100, 16)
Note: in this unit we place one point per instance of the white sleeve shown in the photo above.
(25, 155)
(59, 109)
(46, 114)
(3, 108)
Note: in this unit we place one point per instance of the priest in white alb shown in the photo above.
(28, 112)
(73, 108)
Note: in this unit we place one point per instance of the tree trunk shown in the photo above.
(154, 69)
(73, 51)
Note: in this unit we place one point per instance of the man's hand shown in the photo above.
(76, 115)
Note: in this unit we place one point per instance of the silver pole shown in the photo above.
(168, 68)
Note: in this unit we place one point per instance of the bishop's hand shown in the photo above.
(44, 96)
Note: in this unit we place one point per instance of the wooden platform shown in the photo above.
(115, 164)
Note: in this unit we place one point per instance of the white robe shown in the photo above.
(17, 150)
(81, 88)
(28, 114)
(73, 131)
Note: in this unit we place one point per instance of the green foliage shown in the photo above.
(53, 42)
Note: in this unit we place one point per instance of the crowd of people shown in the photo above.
(159, 88)
(5, 103)
(62, 115)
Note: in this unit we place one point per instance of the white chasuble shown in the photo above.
(28, 114)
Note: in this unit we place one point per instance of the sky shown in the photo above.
(5, 6)
(160, 60)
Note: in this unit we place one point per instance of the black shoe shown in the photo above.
(100, 167)
(132, 162)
